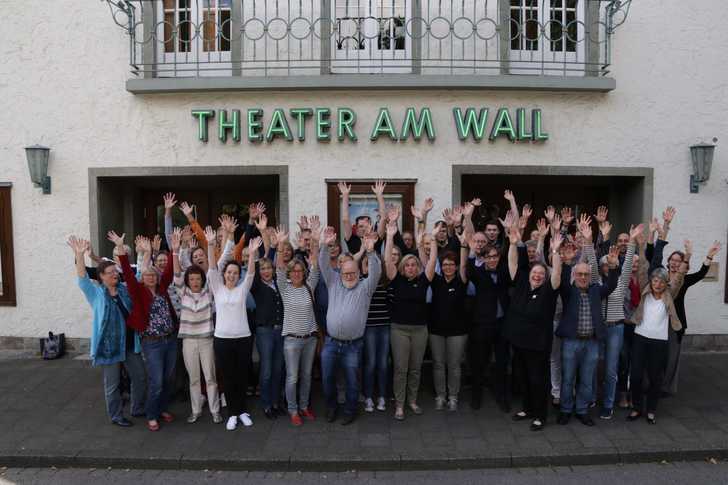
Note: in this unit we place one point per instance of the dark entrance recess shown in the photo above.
(134, 204)
(623, 195)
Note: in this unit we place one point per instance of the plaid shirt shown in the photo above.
(584, 326)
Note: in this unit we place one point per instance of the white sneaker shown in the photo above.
(369, 405)
(232, 423)
(439, 403)
(381, 404)
(245, 418)
(452, 404)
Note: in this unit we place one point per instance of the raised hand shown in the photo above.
(392, 213)
(601, 215)
(392, 228)
(343, 188)
(456, 215)
(139, 244)
(254, 245)
(262, 223)
(329, 236)
(156, 243)
(509, 221)
(210, 235)
(115, 238)
(668, 214)
(655, 225)
(567, 215)
(187, 235)
(427, 206)
(613, 256)
(605, 227)
(556, 241)
(508, 195)
(281, 235)
(585, 227)
(714, 248)
(370, 240)
(228, 224)
(549, 213)
(526, 211)
(314, 224)
(186, 209)
(542, 228)
(176, 239)
(169, 201)
(378, 187)
(468, 209)
(514, 234)
(146, 244)
(416, 213)
(688, 244)
(476, 202)
(76, 245)
(636, 232)
(303, 223)
(556, 224)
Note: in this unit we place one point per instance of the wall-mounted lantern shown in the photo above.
(702, 157)
(37, 156)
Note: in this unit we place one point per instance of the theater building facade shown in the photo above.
(226, 102)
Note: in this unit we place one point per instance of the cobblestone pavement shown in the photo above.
(53, 415)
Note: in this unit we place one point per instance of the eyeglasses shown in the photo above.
(348, 275)
(296, 271)
(582, 274)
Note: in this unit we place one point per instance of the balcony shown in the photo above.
(223, 45)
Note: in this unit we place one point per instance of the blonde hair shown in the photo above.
(292, 264)
(406, 258)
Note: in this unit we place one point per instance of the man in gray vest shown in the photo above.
(349, 299)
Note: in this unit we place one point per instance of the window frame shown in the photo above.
(8, 297)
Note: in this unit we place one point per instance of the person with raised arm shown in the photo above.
(448, 325)
(653, 318)
(233, 342)
(152, 315)
(409, 285)
(613, 309)
(113, 343)
(349, 299)
(300, 331)
(363, 223)
(528, 326)
(581, 327)
(196, 330)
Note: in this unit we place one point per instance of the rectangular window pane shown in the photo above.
(515, 24)
(532, 29)
(184, 28)
(225, 28)
(169, 4)
(168, 32)
(556, 30)
(209, 37)
(571, 29)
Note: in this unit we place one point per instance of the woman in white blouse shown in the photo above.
(233, 341)
(655, 312)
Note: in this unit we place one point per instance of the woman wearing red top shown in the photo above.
(153, 316)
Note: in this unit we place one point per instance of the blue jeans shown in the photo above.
(160, 357)
(612, 349)
(376, 360)
(347, 354)
(270, 347)
(112, 375)
(579, 355)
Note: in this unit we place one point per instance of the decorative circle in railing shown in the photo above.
(410, 24)
(300, 33)
(439, 28)
(463, 28)
(277, 28)
(486, 28)
(254, 29)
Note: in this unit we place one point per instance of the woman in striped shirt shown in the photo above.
(196, 329)
(299, 323)
(233, 342)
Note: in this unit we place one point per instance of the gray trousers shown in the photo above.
(672, 369)
(408, 348)
(447, 353)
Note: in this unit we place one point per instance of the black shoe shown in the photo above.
(348, 419)
(556, 402)
(563, 418)
(331, 415)
(585, 419)
(270, 413)
(634, 415)
(537, 425)
(520, 416)
(139, 415)
(123, 422)
(280, 411)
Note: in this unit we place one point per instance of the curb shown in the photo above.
(395, 463)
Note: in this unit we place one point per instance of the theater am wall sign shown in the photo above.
(340, 124)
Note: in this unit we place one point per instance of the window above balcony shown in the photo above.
(203, 45)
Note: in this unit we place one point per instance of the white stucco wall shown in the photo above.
(62, 83)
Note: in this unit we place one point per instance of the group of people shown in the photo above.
(543, 307)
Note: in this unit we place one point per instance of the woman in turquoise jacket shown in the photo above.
(113, 344)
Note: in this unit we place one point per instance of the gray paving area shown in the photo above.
(53, 415)
(701, 473)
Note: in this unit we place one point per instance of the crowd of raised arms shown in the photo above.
(535, 312)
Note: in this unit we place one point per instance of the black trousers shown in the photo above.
(233, 359)
(533, 370)
(625, 359)
(649, 354)
(483, 341)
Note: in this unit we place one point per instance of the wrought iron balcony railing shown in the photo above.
(254, 38)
